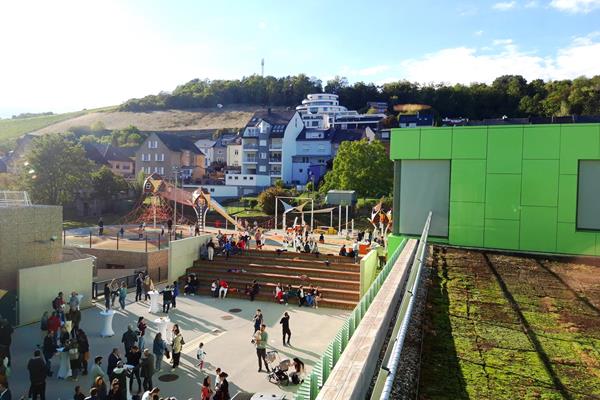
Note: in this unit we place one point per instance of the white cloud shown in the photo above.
(504, 5)
(478, 33)
(575, 6)
(532, 4)
(467, 65)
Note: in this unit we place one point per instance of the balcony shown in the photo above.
(275, 172)
(251, 132)
(275, 146)
(275, 160)
(252, 160)
(250, 146)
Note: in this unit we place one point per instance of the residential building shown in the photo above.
(234, 152)
(323, 110)
(163, 154)
(268, 145)
(120, 160)
(380, 107)
(415, 120)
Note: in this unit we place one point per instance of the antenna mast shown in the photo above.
(262, 67)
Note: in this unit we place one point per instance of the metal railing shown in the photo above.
(128, 279)
(391, 360)
(315, 380)
(11, 198)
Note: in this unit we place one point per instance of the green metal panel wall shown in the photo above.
(512, 187)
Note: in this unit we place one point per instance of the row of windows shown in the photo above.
(158, 170)
(153, 144)
(157, 157)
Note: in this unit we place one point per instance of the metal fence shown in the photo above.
(312, 384)
(128, 279)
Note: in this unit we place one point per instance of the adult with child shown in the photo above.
(261, 339)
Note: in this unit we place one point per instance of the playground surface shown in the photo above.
(80, 237)
(499, 326)
(224, 326)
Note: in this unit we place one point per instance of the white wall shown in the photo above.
(250, 180)
(234, 160)
(183, 253)
(288, 149)
(38, 286)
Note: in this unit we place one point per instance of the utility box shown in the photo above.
(341, 197)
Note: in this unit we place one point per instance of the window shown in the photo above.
(235, 152)
(236, 178)
(263, 156)
(152, 144)
(424, 187)
(588, 195)
(162, 156)
(161, 170)
(156, 169)
(251, 178)
(262, 142)
(245, 178)
(300, 170)
(148, 170)
(117, 166)
(262, 168)
(155, 156)
(321, 147)
(212, 190)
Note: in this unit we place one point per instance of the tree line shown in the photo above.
(510, 95)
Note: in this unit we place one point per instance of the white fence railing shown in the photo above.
(9, 198)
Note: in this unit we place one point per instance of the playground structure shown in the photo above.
(161, 193)
(381, 220)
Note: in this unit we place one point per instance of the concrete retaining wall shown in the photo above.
(38, 286)
(183, 253)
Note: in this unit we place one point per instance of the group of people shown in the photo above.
(303, 243)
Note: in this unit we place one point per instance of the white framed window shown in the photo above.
(156, 169)
(149, 157)
(235, 152)
(262, 168)
(161, 170)
(148, 170)
(162, 157)
(263, 156)
(155, 156)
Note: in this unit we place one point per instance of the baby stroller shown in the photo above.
(279, 368)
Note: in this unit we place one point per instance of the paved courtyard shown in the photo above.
(226, 336)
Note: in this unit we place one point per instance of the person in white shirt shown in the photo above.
(149, 393)
(200, 355)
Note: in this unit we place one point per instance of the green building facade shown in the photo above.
(533, 188)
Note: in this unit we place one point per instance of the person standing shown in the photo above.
(222, 392)
(122, 295)
(84, 350)
(49, 350)
(148, 287)
(74, 301)
(167, 297)
(176, 345)
(100, 227)
(210, 249)
(133, 358)
(254, 290)
(141, 326)
(258, 320)
(139, 283)
(37, 376)
(106, 296)
(175, 294)
(262, 338)
(75, 317)
(114, 292)
(207, 391)
(44, 326)
(158, 349)
(58, 305)
(129, 339)
(113, 360)
(54, 325)
(285, 328)
(200, 356)
(147, 364)
(96, 370)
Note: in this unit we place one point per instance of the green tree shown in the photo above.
(266, 200)
(57, 169)
(361, 166)
(97, 127)
(106, 184)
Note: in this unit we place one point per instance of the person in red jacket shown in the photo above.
(54, 325)
(223, 288)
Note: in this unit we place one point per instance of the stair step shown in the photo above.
(268, 288)
(281, 269)
(325, 302)
(264, 277)
(306, 256)
(304, 263)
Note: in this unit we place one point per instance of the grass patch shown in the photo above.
(476, 345)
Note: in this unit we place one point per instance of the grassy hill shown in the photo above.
(173, 120)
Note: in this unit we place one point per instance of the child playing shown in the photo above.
(200, 356)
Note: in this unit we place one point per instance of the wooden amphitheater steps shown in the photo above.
(339, 280)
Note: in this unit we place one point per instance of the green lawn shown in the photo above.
(510, 327)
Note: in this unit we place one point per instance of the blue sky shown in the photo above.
(70, 55)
